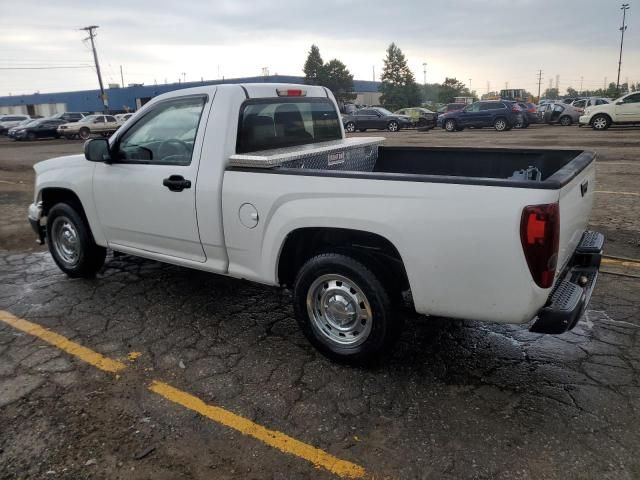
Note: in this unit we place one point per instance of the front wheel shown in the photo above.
(31, 136)
(84, 133)
(600, 122)
(450, 125)
(393, 126)
(71, 244)
(350, 127)
(343, 308)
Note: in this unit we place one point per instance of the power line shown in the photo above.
(44, 68)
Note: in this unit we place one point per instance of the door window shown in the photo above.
(110, 119)
(635, 98)
(165, 135)
(473, 108)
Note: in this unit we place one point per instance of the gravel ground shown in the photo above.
(455, 399)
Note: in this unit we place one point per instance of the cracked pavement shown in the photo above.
(454, 400)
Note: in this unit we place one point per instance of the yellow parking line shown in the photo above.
(278, 440)
(622, 263)
(633, 194)
(284, 443)
(63, 343)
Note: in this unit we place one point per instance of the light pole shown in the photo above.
(469, 85)
(424, 71)
(624, 8)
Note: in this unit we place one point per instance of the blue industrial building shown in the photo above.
(133, 97)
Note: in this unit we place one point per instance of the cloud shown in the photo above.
(494, 42)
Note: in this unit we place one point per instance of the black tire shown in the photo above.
(393, 126)
(565, 120)
(363, 129)
(365, 287)
(90, 257)
(350, 127)
(31, 136)
(84, 133)
(450, 125)
(525, 125)
(600, 122)
(501, 124)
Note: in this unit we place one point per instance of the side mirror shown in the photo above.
(97, 150)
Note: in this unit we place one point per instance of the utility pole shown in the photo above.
(469, 85)
(105, 102)
(373, 67)
(539, 83)
(184, 77)
(581, 80)
(424, 70)
(558, 82)
(121, 76)
(488, 86)
(624, 8)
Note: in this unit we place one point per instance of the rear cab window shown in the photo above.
(270, 123)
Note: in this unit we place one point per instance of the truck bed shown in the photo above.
(364, 158)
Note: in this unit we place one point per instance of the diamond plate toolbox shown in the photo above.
(353, 154)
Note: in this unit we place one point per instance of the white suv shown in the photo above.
(623, 110)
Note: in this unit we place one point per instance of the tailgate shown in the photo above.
(576, 200)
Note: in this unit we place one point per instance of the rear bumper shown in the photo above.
(573, 289)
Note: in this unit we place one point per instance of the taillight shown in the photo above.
(291, 92)
(532, 109)
(540, 235)
(515, 108)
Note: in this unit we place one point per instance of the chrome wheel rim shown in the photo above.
(351, 127)
(84, 134)
(500, 125)
(339, 310)
(393, 127)
(66, 243)
(564, 121)
(450, 125)
(599, 123)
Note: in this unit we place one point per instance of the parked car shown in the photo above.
(8, 121)
(420, 117)
(123, 117)
(560, 113)
(70, 117)
(499, 114)
(11, 133)
(377, 118)
(529, 114)
(581, 105)
(299, 205)
(42, 128)
(91, 124)
(624, 110)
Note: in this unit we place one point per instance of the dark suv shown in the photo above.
(499, 114)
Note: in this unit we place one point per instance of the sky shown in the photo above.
(482, 43)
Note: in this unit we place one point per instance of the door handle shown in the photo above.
(176, 183)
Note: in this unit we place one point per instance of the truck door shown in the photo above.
(146, 197)
(628, 109)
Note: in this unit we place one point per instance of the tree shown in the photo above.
(551, 94)
(572, 92)
(313, 67)
(336, 77)
(399, 87)
(451, 88)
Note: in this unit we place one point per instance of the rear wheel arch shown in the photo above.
(372, 249)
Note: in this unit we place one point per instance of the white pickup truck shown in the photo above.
(258, 182)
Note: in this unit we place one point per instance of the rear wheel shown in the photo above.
(450, 125)
(565, 121)
(500, 124)
(600, 122)
(363, 129)
(343, 308)
(84, 133)
(31, 136)
(71, 243)
(393, 126)
(350, 127)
